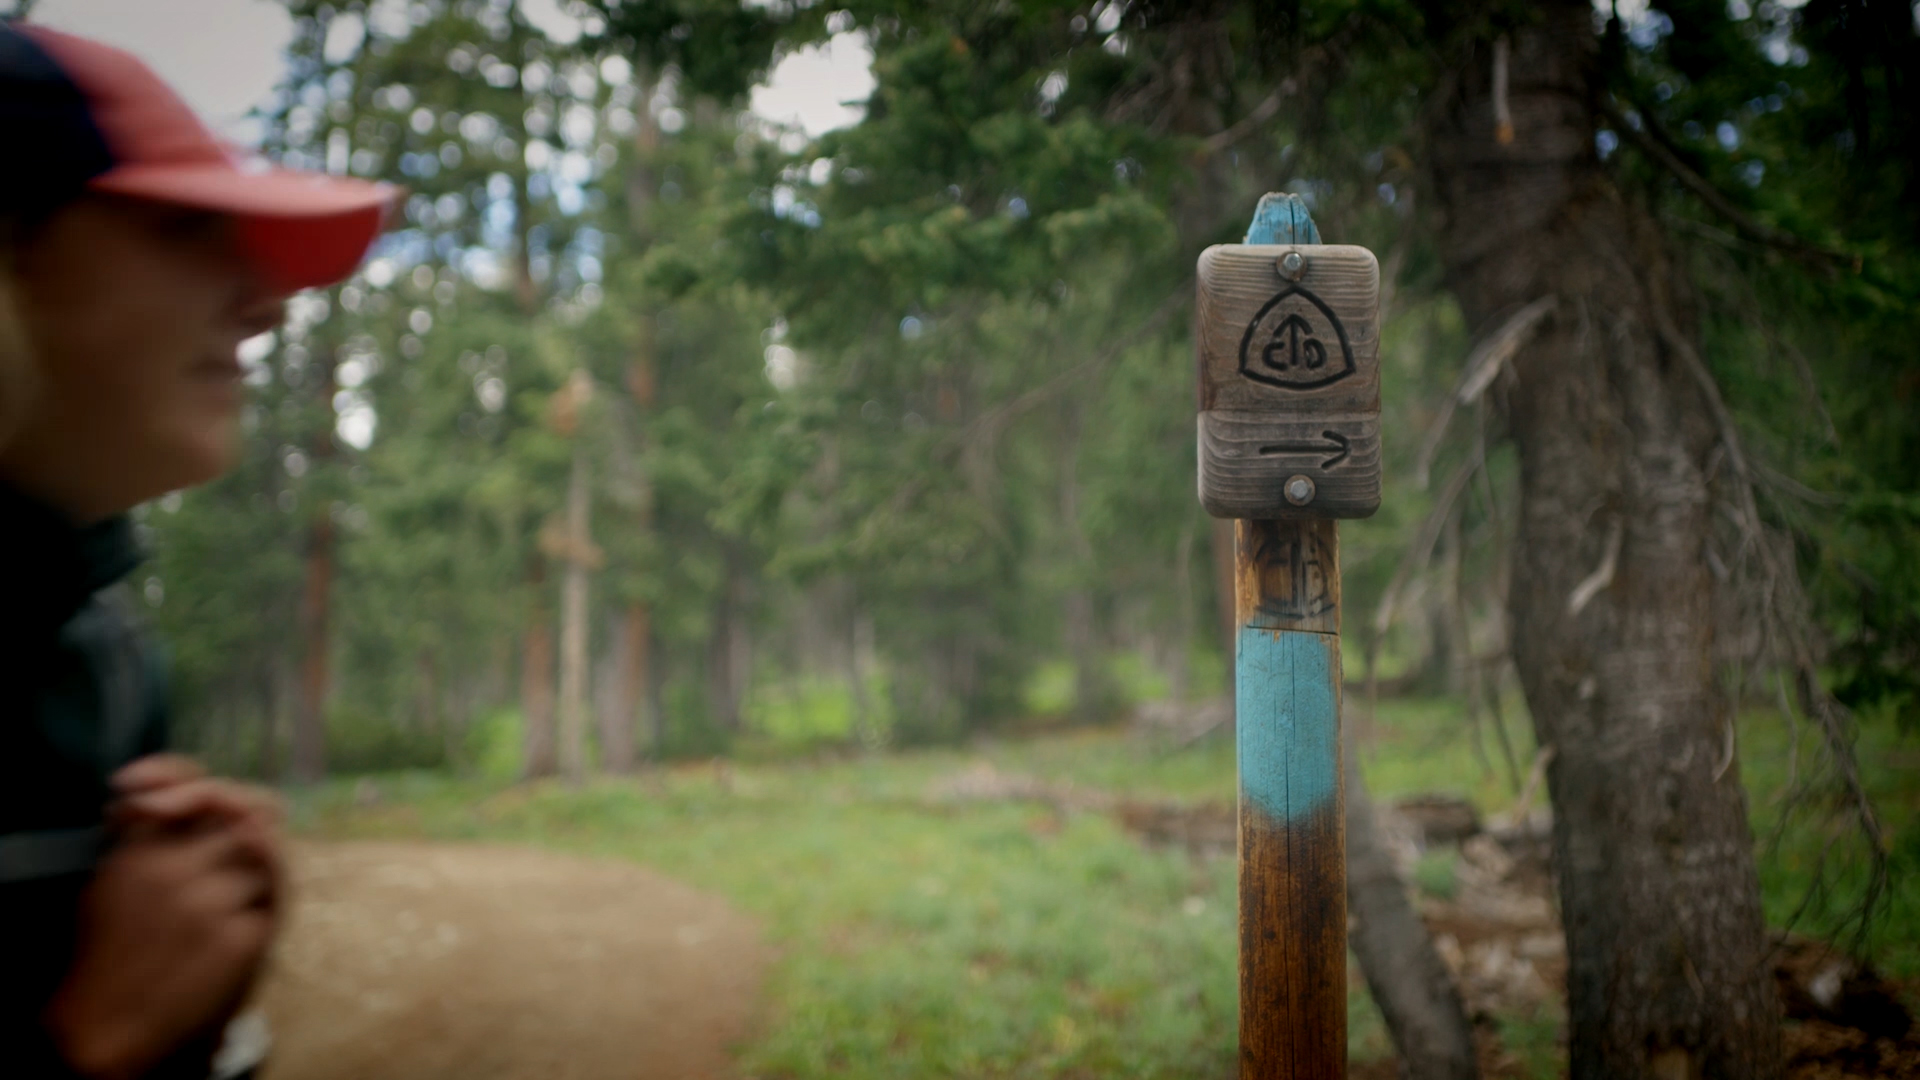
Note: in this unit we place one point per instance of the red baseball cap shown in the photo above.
(92, 117)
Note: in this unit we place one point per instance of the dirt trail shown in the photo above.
(434, 962)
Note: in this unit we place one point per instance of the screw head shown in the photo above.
(1293, 265)
(1299, 489)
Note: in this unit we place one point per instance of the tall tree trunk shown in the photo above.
(538, 756)
(631, 686)
(536, 678)
(573, 626)
(1665, 938)
(308, 760)
(1404, 973)
(1092, 691)
(1180, 649)
(617, 754)
(859, 664)
(1089, 687)
(456, 709)
(730, 652)
(653, 703)
(267, 758)
(430, 715)
(1220, 547)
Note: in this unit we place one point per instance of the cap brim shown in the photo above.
(305, 229)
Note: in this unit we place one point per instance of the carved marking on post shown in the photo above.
(1290, 578)
(1339, 444)
(1283, 344)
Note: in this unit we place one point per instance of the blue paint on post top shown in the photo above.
(1282, 218)
(1287, 720)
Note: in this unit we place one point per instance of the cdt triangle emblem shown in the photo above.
(1296, 343)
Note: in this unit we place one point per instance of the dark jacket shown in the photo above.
(81, 694)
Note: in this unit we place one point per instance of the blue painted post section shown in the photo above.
(1293, 922)
(1285, 704)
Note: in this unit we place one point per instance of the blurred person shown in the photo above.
(138, 896)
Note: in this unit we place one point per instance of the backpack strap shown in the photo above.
(27, 856)
(107, 635)
(123, 666)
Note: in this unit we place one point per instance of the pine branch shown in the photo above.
(1758, 231)
(1783, 606)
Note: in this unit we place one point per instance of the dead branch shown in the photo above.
(1498, 348)
(1732, 749)
(1516, 815)
(1783, 608)
(1502, 113)
(1261, 113)
(1602, 575)
(1494, 672)
(1418, 553)
(1484, 362)
(1718, 203)
(1785, 485)
(1753, 311)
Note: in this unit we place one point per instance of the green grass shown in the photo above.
(1533, 1038)
(1437, 874)
(1425, 745)
(916, 940)
(993, 939)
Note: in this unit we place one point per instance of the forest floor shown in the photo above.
(1051, 907)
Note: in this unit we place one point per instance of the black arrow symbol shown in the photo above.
(1337, 443)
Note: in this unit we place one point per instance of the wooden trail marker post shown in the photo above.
(1287, 338)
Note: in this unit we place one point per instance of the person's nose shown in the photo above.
(257, 304)
(259, 308)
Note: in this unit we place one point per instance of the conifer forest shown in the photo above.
(665, 461)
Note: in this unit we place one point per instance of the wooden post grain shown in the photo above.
(1287, 340)
(1293, 890)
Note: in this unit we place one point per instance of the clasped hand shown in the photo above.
(175, 926)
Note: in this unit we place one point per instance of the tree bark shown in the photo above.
(617, 754)
(536, 679)
(271, 690)
(1406, 977)
(1665, 937)
(573, 626)
(538, 757)
(1093, 695)
(430, 713)
(631, 689)
(730, 652)
(653, 702)
(308, 758)
(859, 663)
(1220, 549)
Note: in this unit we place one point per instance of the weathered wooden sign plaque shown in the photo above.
(1289, 355)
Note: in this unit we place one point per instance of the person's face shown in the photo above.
(134, 312)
